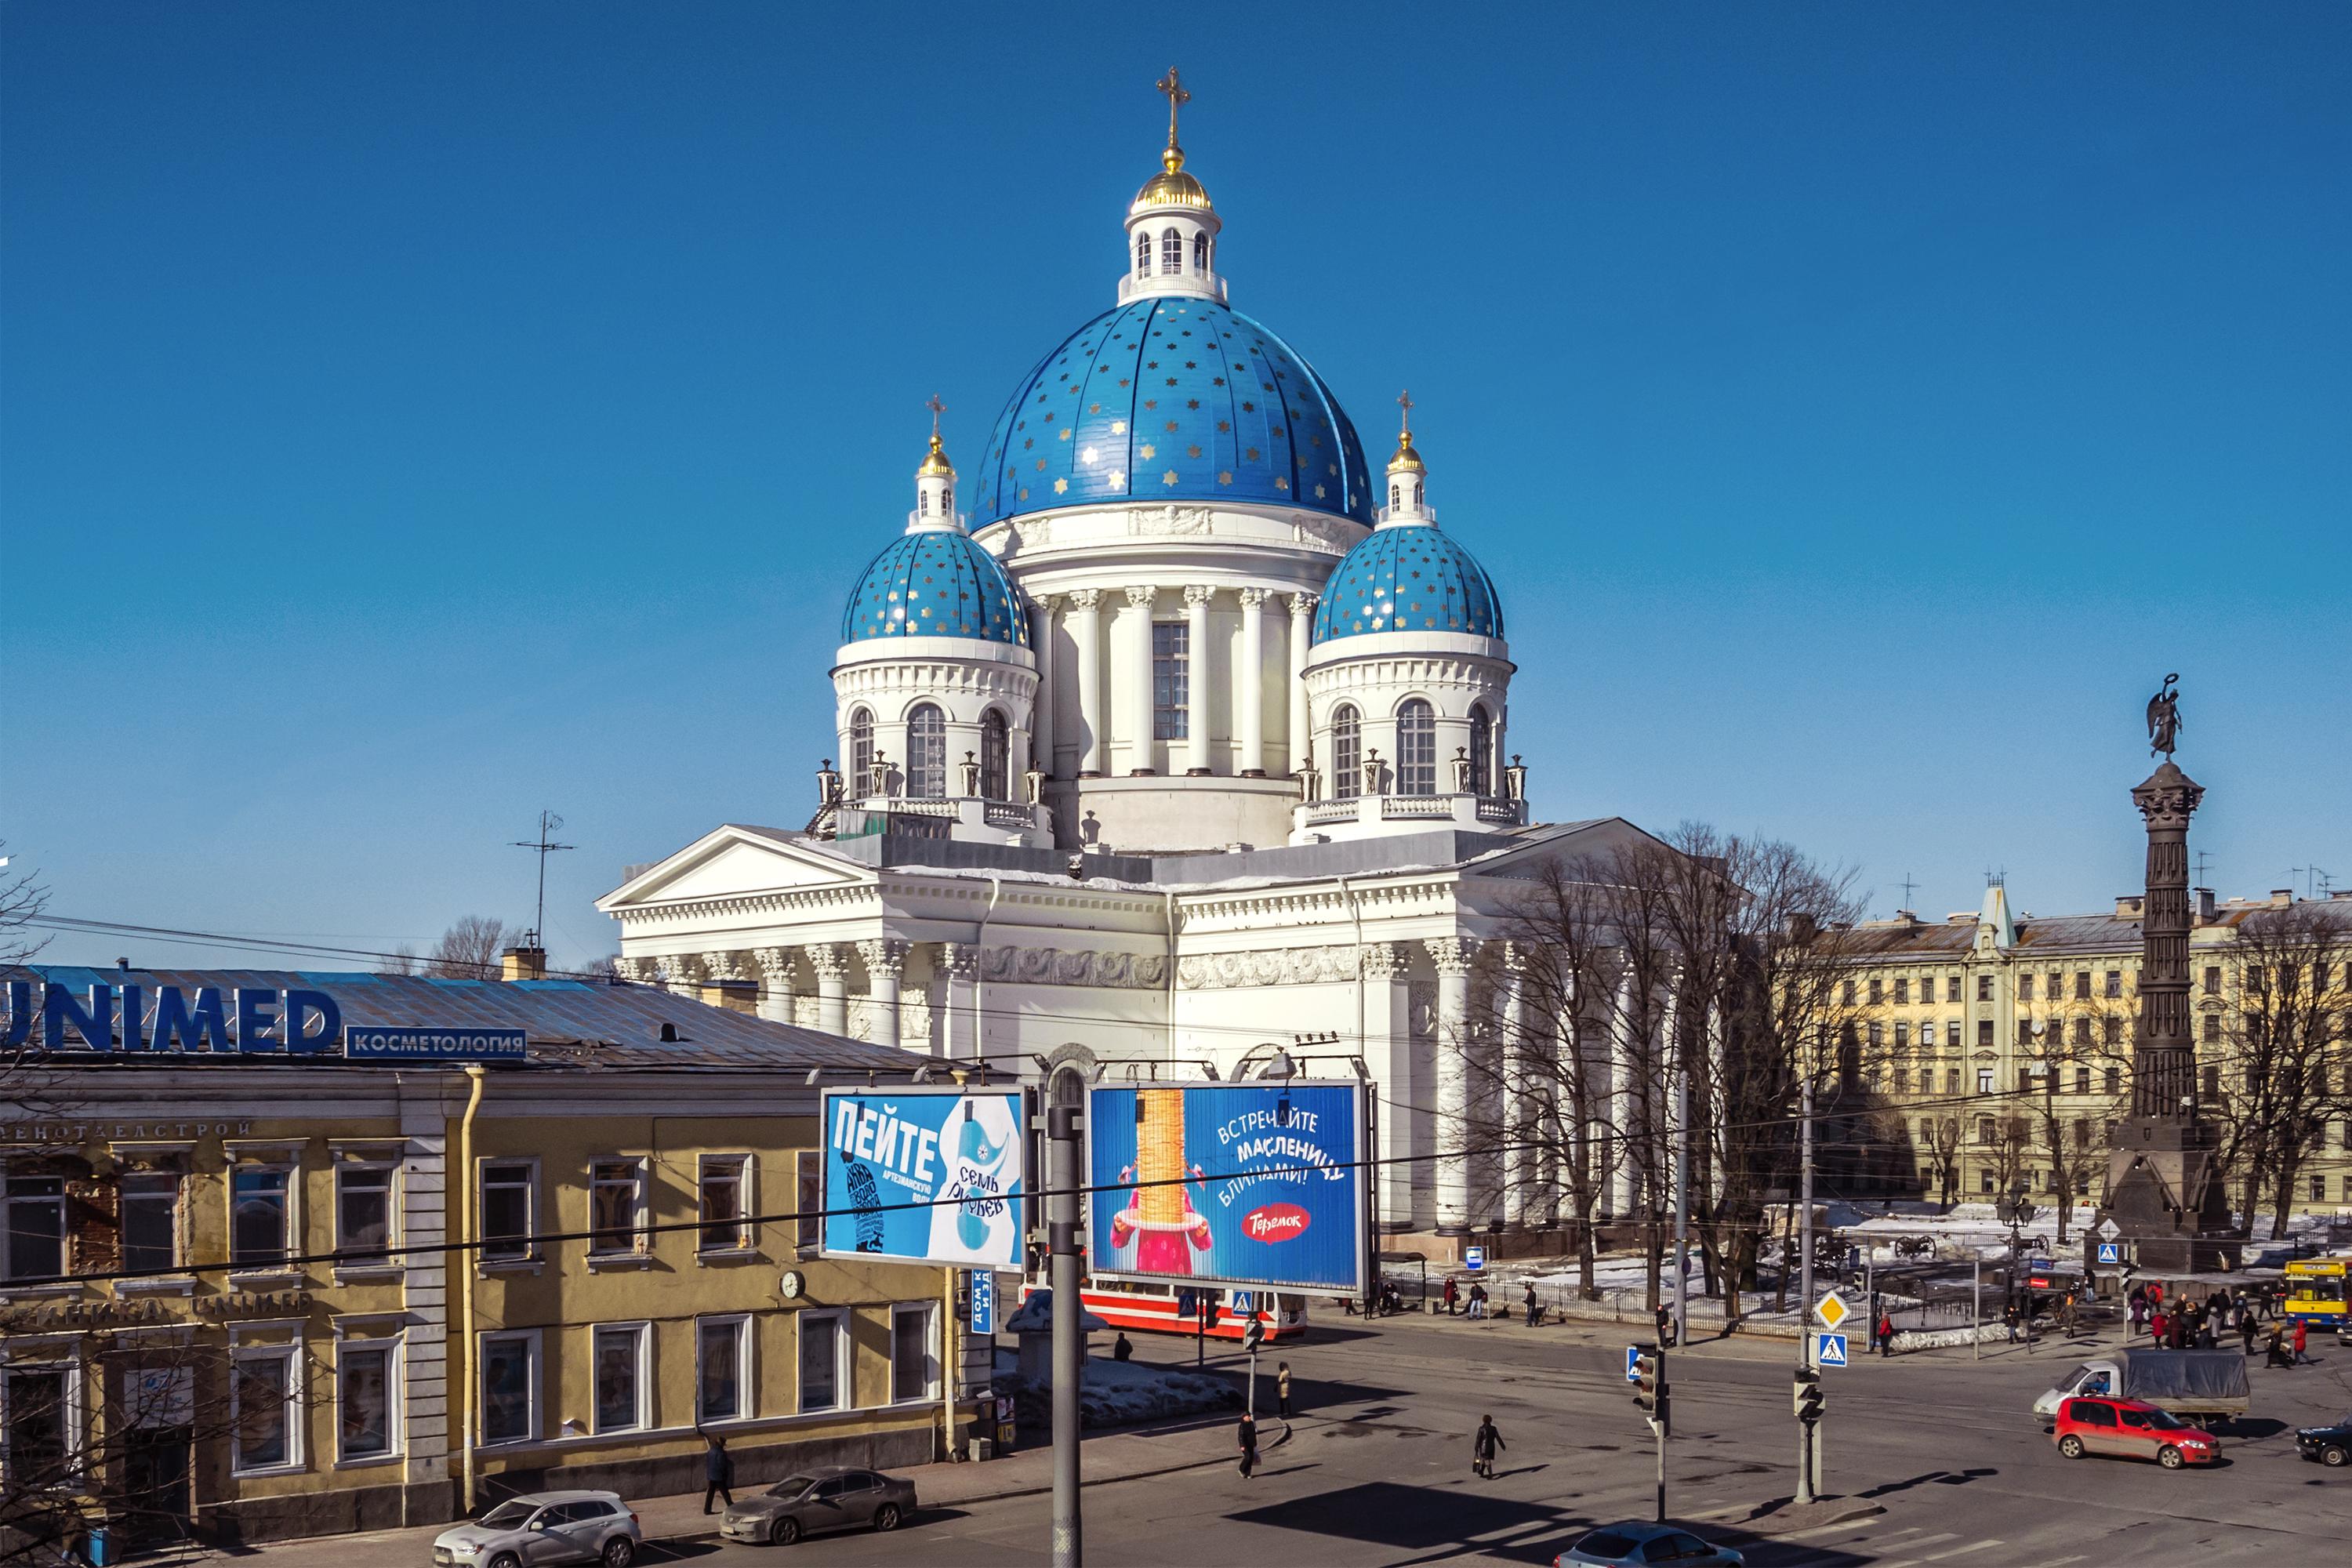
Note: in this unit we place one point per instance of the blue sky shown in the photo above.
(414, 417)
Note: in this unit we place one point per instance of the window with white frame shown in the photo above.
(362, 1208)
(723, 1368)
(264, 1388)
(1482, 752)
(151, 1219)
(825, 1352)
(39, 1418)
(1171, 673)
(1200, 252)
(1347, 754)
(509, 1205)
(366, 1389)
(509, 1387)
(36, 1227)
(1416, 749)
(808, 1169)
(616, 1193)
(914, 1351)
(1143, 256)
(927, 752)
(1172, 252)
(260, 1216)
(861, 752)
(725, 1187)
(618, 1357)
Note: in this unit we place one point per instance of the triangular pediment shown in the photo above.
(735, 861)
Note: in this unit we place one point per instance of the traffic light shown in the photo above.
(1254, 1335)
(1649, 1378)
(1809, 1394)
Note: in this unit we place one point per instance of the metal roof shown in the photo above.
(621, 1022)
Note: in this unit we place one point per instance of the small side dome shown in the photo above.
(937, 583)
(1408, 578)
(935, 462)
(1407, 460)
(1171, 187)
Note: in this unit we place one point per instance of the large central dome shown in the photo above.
(1174, 397)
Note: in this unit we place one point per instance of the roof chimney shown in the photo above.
(2128, 905)
(523, 962)
(735, 996)
(2281, 897)
(2204, 905)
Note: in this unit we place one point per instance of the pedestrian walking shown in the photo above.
(718, 1471)
(1122, 1347)
(1281, 1388)
(1482, 1447)
(1477, 1299)
(1451, 1295)
(2009, 1320)
(2274, 1351)
(2302, 1337)
(2138, 1308)
(1885, 1335)
(2247, 1330)
(1248, 1439)
(2159, 1325)
(1535, 1307)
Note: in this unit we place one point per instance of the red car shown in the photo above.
(2134, 1430)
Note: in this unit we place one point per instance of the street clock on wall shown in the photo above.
(791, 1286)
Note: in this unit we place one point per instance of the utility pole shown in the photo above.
(1069, 1336)
(544, 846)
(1975, 1306)
(1805, 1285)
(1681, 1208)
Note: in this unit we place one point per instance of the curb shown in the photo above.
(1819, 1516)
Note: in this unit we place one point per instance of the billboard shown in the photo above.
(371, 1042)
(1229, 1184)
(929, 1175)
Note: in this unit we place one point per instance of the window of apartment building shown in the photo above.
(1902, 1080)
(259, 1216)
(808, 1172)
(150, 1220)
(2114, 982)
(1984, 1081)
(1952, 1082)
(40, 1417)
(509, 1208)
(2082, 1132)
(2025, 987)
(1902, 1036)
(1877, 1036)
(2318, 1189)
(36, 1227)
(1984, 1032)
(2026, 1081)
(2024, 1031)
(1952, 1033)
(2081, 1080)
(616, 1193)
(1171, 660)
(1928, 1035)
(1984, 1181)
(823, 1348)
(362, 1208)
(1984, 987)
(1877, 990)
(2111, 1030)
(364, 1391)
(2212, 1028)
(1903, 992)
(2082, 1031)
(1984, 1129)
(1847, 996)
(2212, 980)
(2111, 1080)
(1927, 1132)
(914, 1351)
(2082, 986)
(723, 1368)
(510, 1378)
(618, 1361)
(2255, 981)
(725, 1187)
(263, 1390)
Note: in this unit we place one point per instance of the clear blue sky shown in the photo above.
(416, 416)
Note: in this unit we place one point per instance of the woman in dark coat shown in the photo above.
(1248, 1438)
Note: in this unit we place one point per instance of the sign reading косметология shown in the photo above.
(931, 1176)
(1246, 1184)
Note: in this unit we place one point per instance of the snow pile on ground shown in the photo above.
(1119, 1393)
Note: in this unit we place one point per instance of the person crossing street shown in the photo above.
(1248, 1441)
(1483, 1445)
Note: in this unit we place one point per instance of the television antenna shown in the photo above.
(1908, 886)
(543, 847)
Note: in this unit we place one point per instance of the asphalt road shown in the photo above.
(1376, 1470)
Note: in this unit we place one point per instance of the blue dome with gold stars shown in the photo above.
(935, 581)
(1408, 578)
(1172, 397)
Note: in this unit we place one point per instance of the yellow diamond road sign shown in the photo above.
(1831, 1310)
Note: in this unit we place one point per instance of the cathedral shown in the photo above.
(1171, 736)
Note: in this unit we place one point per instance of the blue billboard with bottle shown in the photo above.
(928, 1175)
(1250, 1185)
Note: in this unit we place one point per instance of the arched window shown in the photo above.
(995, 757)
(1416, 749)
(1142, 255)
(922, 503)
(1200, 252)
(1482, 752)
(1396, 497)
(861, 753)
(926, 753)
(1172, 252)
(1347, 754)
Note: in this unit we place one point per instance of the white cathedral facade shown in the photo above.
(1175, 734)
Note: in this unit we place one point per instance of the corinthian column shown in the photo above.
(1302, 633)
(1196, 679)
(831, 961)
(1519, 1095)
(1251, 719)
(776, 998)
(1085, 632)
(885, 963)
(1453, 957)
(1143, 761)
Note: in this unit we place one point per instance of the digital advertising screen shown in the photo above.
(1250, 1185)
(958, 1152)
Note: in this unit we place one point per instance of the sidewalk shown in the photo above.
(678, 1520)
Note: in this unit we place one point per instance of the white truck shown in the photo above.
(2199, 1386)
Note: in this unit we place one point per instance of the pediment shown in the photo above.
(734, 861)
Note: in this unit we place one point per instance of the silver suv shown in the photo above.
(544, 1528)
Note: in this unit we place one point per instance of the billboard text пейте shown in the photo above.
(1247, 1184)
(960, 1152)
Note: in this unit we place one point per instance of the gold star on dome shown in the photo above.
(1169, 477)
(1119, 427)
(1061, 486)
(1146, 451)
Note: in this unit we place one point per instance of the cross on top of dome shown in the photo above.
(1172, 225)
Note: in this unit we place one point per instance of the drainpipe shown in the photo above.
(463, 1267)
(1169, 895)
(980, 983)
(950, 1368)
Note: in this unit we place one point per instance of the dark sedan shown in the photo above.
(825, 1497)
(2331, 1446)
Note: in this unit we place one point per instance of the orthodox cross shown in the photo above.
(1174, 89)
(936, 408)
(1404, 421)
(544, 847)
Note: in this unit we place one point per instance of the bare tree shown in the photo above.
(2086, 1040)
(469, 949)
(1943, 1143)
(24, 1088)
(2275, 1093)
(22, 899)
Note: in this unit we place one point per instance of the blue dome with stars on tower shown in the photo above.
(934, 580)
(1409, 577)
(1172, 397)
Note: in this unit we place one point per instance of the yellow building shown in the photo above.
(273, 1294)
(2001, 1044)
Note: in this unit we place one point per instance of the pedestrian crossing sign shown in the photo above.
(1828, 1349)
(2111, 1252)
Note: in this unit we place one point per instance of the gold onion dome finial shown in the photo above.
(1171, 187)
(1407, 460)
(935, 463)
